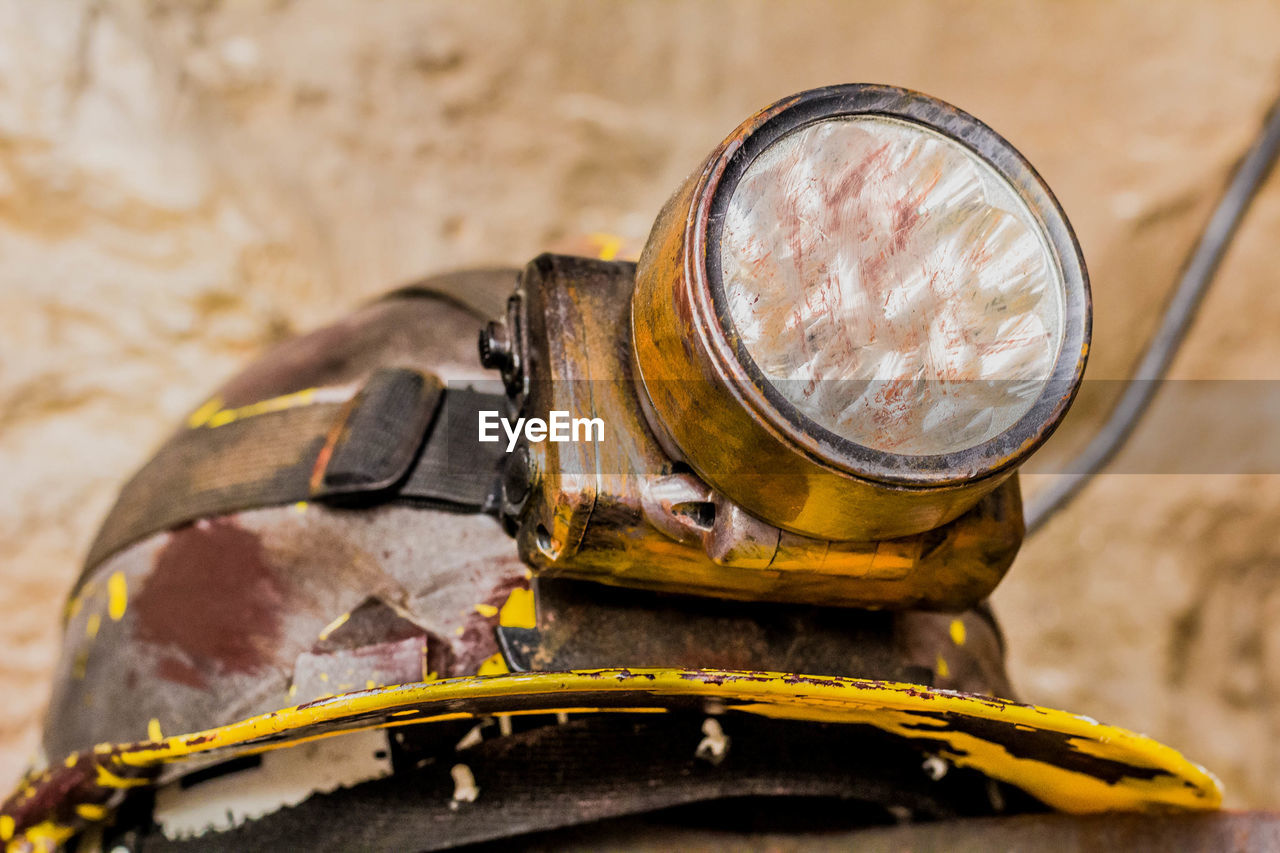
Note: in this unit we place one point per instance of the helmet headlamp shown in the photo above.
(873, 303)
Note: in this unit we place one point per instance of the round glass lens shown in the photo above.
(891, 285)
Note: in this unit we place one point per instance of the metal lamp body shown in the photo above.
(625, 512)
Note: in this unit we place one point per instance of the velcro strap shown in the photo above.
(455, 467)
(371, 449)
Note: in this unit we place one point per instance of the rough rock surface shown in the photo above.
(183, 183)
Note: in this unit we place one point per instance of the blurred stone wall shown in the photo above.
(183, 183)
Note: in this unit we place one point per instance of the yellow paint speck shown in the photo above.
(324, 676)
(334, 625)
(486, 610)
(300, 507)
(202, 414)
(293, 690)
(493, 665)
(107, 779)
(92, 811)
(7, 827)
(117, 596)
(518, 612)
(368, 684)
(92, 625)
(459, 631)
(941, 667)
(957, 632)
(153, 729)
(72, 759)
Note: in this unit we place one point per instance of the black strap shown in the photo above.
(455, 469)
(402, 436)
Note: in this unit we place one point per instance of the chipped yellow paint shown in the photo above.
(153, 729)
(293, 690)
(334, 625)
(518, 611)
(92, 625)
(459, 631)
(211, 415)
(493, 665)
(201, 415)
(6, 827)
(957, 632)
(117, 596)
(1072, 792)
(47, 836)
(940, 667)
(910, 711)
(488, 611)
(300, 507)
(904, 710)
(92, 812)
(107, 779)
(438, 718)
(533, 712)
(369, 684)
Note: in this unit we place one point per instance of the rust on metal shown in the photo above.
(625, 512)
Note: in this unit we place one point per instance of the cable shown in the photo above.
(1196, 277)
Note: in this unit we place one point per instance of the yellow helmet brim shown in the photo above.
(1070, 762)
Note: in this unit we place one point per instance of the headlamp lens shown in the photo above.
(891, 285)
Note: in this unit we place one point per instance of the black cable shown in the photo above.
(1196, 277)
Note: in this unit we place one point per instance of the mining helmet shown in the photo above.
(760, 485)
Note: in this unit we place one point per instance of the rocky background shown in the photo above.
(184, 183)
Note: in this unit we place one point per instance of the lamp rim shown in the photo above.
(705, 287)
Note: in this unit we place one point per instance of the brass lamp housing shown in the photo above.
(713, 408)
(623, 512)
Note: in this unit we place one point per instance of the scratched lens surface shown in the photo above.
(891, 285)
